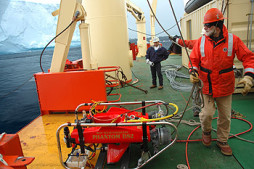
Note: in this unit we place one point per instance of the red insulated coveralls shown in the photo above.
(214, 62)
(189, 43)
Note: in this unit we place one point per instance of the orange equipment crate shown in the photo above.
(64, 91)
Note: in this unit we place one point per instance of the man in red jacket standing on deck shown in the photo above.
(212, 61)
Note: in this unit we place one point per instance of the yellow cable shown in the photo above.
(93, 107)
(115, 119)
(157, 119)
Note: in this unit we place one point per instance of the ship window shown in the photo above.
(189, 30)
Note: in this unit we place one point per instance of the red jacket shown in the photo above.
(189, 43)
(210, 59)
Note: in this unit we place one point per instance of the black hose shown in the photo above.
(51, 41)
(181, 34)
(170, 37)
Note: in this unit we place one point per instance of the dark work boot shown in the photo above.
(160, 87)
(153, 86)
(206, 138)
(224, 148)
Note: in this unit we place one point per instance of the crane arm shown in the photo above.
(152, 18)
(70, 11)
(141, 26)
(135, 11)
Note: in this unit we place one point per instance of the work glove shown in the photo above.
(247, 82)
(151, 63)
(194, 77)
(147, 61)
(172, 38)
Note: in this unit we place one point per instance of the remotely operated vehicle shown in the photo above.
(111, 133)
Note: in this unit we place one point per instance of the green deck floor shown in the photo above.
(200, 157)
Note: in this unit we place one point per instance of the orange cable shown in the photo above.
(187, 141)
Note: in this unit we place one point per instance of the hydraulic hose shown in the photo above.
(157, 119)
(180, 33)
(187, 141)
(52, 41)
(73, 20)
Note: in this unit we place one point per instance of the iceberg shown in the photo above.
(27, 25)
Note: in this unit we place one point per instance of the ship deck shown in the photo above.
(38, 139)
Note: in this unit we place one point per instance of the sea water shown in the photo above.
(18, 96)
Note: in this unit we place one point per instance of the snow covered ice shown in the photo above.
(27, 25)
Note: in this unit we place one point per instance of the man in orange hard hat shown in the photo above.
(212, 60)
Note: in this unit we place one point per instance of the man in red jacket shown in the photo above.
(212, 61)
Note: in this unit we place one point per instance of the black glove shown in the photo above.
(172, 38)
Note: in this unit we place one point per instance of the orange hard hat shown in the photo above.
(213, 15)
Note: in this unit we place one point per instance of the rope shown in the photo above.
(73, 20)
(139, 32)
(181, 34)
(187, 141)
(199, 98)
(171, 75)
(1, 97)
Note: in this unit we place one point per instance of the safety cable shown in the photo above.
(166, 30)
(225, 7)
(169, 36)
(73, 20)
(199, 98)
(93, 107)
(192, 90)
(158, 20)
(124, 78)
(51, 41)
(222, 4)
(158, 119)
(194, 123)
(137, 80)
(181, 34)
(240, 138)
(127, 112)
(172, 74)
(156, 33)
(187, 141)
(109, 83)
(140, 32)
(3, 96)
